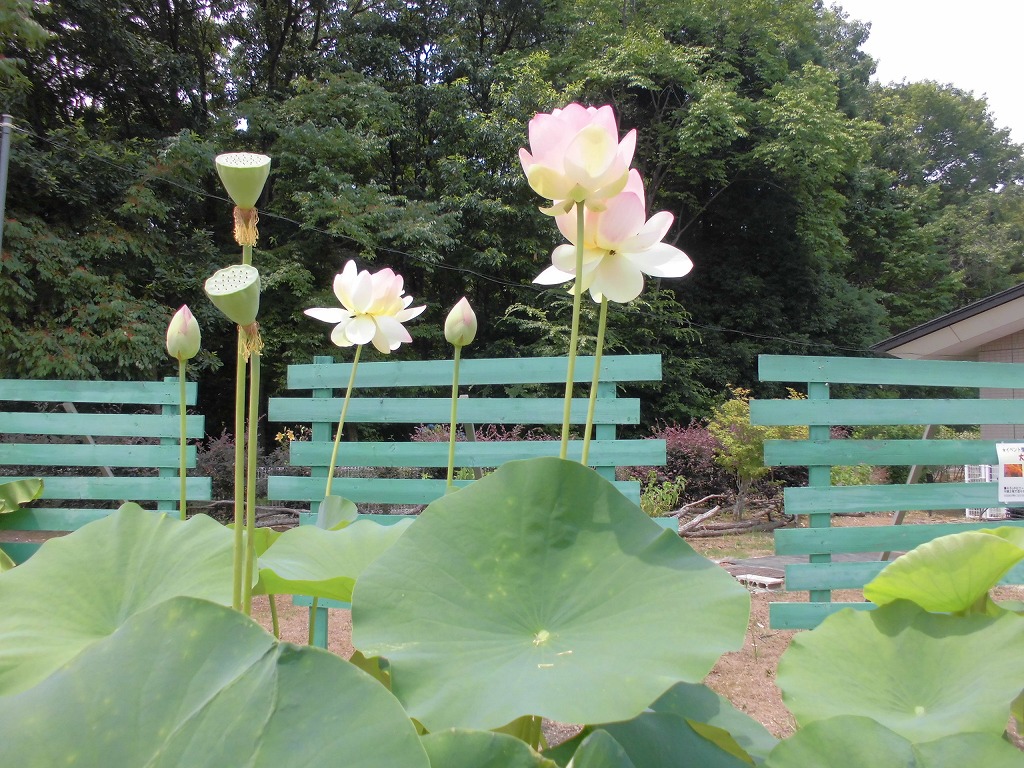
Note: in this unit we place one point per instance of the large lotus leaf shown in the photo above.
(698, 703)
(599, 749)
(542, 590)
(922, 675)
(191, 683)
(79, 588)
(14, 493)
(860, 742)
(457, 748)
(950, 574)
(314, 561)
(6, 563)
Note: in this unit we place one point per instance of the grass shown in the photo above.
(737, 546)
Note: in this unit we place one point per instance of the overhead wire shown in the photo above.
(269, 215)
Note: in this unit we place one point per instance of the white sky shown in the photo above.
(973, 44)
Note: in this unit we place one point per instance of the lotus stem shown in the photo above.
(181, 437)
(250, 482)
(274, 624)
(312, 620)
(450, 485)
(239, 541)
(341, 420)
(602, 325)
(574, 334)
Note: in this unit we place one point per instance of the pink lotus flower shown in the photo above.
(575, 156)
(373, 308)
(183, 336)
(620, 246)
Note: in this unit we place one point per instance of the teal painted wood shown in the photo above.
(50, 518)
(889, 498)
(781, 453)
(834, 575)
(99, 424)
(437, 410)
(882, 412)
(80, 455)
(478, 454)
(502, 371)
(876, 538)
(124, 488)
(381, 490)
(807, 615)
(864, 370)
(125, 392)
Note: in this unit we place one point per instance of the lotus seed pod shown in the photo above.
(243, 175)
(235, 291)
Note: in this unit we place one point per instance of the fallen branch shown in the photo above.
(689, 526)
(726, 529)
(682, 510)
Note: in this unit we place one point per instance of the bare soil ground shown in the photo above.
(746, 677)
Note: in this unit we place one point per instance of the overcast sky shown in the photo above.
(973, 44)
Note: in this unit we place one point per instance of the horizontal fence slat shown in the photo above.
(890, 498)
(841, 575)
(887, 371)
(478, 454)
(124, 392)
(123, 488)
(101, 424)
(49, 519)
(84, 455)
(482, 371)
(807, 541)
(807, 615)
(781, 453)
(437, 410)
(882, 412)
(380, 490)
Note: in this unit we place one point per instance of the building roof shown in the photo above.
(958, 334)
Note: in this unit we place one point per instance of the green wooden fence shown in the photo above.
(824, 545)
(138, 425)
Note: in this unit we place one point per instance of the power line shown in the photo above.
(192, 189)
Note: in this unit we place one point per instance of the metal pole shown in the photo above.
(5, 153)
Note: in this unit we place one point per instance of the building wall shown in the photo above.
(1009, 349)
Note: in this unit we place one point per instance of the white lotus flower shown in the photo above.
(620, 246)
(373, 308)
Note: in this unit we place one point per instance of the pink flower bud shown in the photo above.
(460, 325)
(183, 337)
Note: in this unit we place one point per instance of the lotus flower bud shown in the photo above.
(183, 336)
(460, 325)
(235, 291)
(243, 175)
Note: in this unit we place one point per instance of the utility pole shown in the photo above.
(5, 153)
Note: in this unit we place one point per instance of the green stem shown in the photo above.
(250, 482)
(275, 626)
(602, 324)
(239, 541)
(247, 254)
(451, 435)
(181, 437)
(312, 620)
(574, 334)
(341, 421)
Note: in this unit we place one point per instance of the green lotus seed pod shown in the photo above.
(243, 175)
(235, 291)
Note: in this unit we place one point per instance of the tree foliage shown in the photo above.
(822, 212)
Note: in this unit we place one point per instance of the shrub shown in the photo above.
(690, 457)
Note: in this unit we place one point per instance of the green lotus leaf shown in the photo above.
(922, 675)
(243, 175)
(80, 588)
(950, 574)
(335, 512)
(6, 563)
(191, 683)
(235, 291)
(527, 591)
(662, 740)
(457, 748)
(313, 561)
(14, 493)
(864, 743)
(599, 749)
(699, 704)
